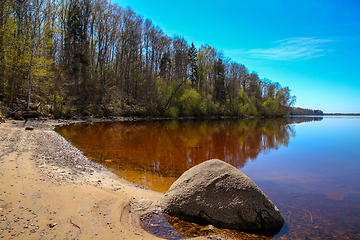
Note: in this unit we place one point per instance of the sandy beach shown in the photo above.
(50, 190)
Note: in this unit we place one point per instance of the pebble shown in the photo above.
(29, 128)
(51, 225)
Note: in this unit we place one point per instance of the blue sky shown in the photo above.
(311, 46)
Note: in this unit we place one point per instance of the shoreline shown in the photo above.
(50, 190)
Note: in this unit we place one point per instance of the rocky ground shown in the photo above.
(50, 190)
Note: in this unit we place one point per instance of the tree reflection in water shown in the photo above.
(155, 153)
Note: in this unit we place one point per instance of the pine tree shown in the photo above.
(193, 71)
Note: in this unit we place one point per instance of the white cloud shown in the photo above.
(299, 48)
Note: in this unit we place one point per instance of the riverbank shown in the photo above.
(50, 190)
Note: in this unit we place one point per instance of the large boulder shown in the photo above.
(217, 193)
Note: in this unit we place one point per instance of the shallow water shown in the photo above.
(309, 167)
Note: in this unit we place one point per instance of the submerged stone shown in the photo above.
(217, 193)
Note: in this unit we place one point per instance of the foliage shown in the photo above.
(305, 111)
(270, 107)
(57, 104)
(190, 102)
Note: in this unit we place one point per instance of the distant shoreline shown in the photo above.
(341, 114)
(326, 114)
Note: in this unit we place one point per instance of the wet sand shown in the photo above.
(50, 190)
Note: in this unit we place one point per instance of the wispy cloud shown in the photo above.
(299, 48)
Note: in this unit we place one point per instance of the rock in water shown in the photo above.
(217, 193)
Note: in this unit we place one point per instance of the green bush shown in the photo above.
(190, 102)
(58, 107)
(270, 108)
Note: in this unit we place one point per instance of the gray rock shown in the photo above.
(217, 193)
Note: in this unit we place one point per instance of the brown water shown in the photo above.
(309, 167)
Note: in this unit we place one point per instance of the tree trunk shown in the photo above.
(30, 79)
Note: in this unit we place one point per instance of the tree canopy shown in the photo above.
(92, 57)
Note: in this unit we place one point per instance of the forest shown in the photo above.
(92, 57)
(304, 111)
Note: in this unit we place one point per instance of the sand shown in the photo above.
(50, 190)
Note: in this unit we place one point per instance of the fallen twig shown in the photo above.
(75, 225)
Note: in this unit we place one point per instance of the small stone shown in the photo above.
(52, 225)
